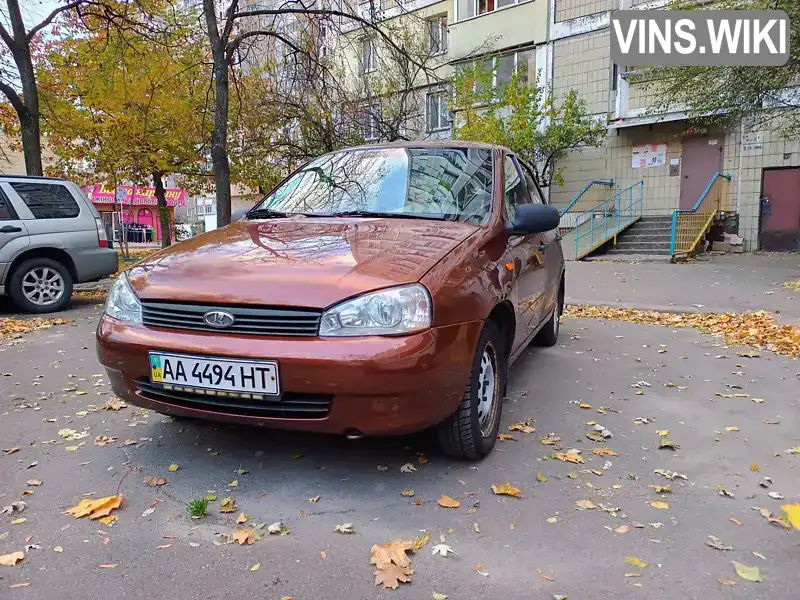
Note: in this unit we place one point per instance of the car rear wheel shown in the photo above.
(470, 432)
(548, 335)
(40, 285)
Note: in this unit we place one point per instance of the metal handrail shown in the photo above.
(586, 188)
(628, 211)
(695, 209)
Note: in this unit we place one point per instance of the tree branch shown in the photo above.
(13, 98)
(49, 19)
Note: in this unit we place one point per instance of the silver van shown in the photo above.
(51, 237)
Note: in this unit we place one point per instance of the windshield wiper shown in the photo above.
(266, 213)
(388, 215)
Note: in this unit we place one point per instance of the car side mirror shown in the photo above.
(534, 218)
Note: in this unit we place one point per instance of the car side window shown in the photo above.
(47, 200)
(6, 210)
(530, 182)
(516, 191)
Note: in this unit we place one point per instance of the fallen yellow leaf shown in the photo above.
(9, 560)
(505, 437)
(604, 452)
(635, 562)
(793, 511)
(95, 509)
(407, 493)
(173, 468)
(241, 519)
(662, 432)
(108, 520)
(242, 537)
(585, 504)
(448, 502)
(585, 406)
(659, 505)
(731, 428)
(570, 457)
(109, 566)
(506, 490)
(227, 505)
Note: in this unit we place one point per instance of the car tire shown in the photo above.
(548, 335)
(470, 433)
(40, 285)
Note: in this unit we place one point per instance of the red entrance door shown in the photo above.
(780, 210)
(701, 157)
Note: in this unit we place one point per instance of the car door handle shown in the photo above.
(10, 229)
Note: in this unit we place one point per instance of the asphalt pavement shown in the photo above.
(538, 546)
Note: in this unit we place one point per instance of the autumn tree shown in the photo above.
(130, 108)
(520, 115)
(292, 108)
(245, 26)
(762, 96)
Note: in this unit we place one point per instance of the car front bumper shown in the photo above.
(374, 385)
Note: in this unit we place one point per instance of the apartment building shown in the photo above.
(657, 146)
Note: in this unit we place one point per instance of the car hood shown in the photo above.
(308, 262)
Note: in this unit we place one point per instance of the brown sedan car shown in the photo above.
(376, 290)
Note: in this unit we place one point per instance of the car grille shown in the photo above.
(288, 406)
(251, 321)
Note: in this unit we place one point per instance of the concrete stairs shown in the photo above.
(649, 235)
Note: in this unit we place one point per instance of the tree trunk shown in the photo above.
(163, 211)
(27, 107)
(219, 135)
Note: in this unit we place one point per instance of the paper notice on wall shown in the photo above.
(649, 155)
(752, 143)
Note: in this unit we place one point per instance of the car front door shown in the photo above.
(13, 235)
(523, 257)
(550, 248)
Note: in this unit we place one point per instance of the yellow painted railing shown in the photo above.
(689, 226)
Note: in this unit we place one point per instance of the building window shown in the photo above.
(369, 55)
(370, 116)
(437, 34)
(437, 116)
(485, 6)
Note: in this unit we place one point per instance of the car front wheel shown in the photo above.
(40, 285)
(470, 432)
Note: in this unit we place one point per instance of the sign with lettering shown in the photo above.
(135, 196)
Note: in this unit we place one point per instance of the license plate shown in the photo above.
(224, 374)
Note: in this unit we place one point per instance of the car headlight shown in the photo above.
(122, 302)
(393, 311)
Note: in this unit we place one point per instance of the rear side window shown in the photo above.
(47, 200)
(6, 210)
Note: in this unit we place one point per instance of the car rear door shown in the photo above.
(550, 248)
(523, 257)
(13, 235)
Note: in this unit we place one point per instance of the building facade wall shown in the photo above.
(571, 9)
(583, 63)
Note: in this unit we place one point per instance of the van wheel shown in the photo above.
(548, 335)
(40, 285)
(470, 433)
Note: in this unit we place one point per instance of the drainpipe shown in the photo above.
(739, 168)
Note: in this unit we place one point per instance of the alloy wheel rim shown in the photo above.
(43, 286)
(488, 390)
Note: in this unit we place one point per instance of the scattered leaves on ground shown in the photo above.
(622, 529)
(407, 493)
(95, 509)
(604, 452)
(550, 440)
(419, 543)
(114, 403)
(448, 502)
(659, 505)
(505, 437)
(227, 505)
(13, 328)
(585, 505)
(506, 489)
(670, 474)
(154, 481)
(793, 513)
(346, 528)
(523, 426)
(716, 543)
(10, 560)
(243, 537)
(570, 457)
(541, 478)
(747, 573)
(408, 468)
(635, 562)
(668, 443)
(442, 550)
(753, 329)
(392, 565)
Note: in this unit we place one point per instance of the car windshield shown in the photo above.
(453, 184)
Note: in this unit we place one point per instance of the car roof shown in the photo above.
(429, 144)
(34, 177)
